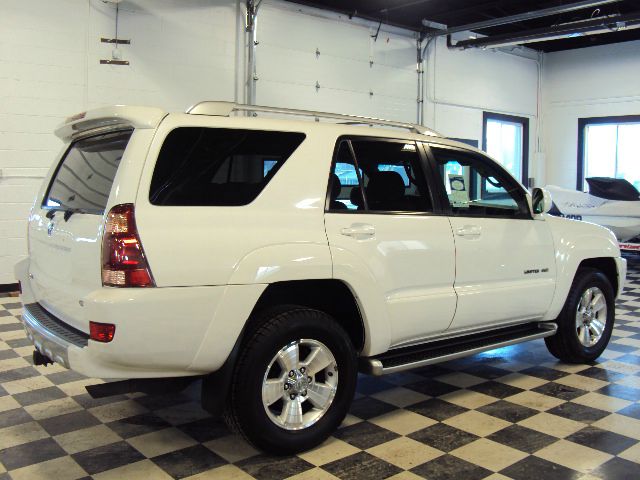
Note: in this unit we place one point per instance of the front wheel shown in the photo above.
(294, 381)
(586, 321)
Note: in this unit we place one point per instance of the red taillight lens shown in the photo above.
(101, 332)
(123, 260)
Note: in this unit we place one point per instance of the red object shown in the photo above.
(101, 332)
(123, 260)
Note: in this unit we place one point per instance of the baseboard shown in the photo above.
(8, 287)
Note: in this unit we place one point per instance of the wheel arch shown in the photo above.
(331, 296)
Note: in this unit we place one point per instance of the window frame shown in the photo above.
(583, 123)
(524, 121)
(424, 170)
(504, 177)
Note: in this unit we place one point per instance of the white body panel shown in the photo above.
(409, 262)
(412, 279)
(505, 270)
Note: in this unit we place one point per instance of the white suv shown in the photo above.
(274, 258)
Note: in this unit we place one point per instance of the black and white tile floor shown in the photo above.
(510, 413)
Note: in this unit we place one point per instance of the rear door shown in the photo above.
(387, 239)
(65, 228)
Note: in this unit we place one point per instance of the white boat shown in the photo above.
(611, 202)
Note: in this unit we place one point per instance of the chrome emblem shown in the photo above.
(50, 228)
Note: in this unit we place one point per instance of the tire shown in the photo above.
(264, 373)
(577, 341)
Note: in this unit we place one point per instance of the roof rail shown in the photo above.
(224, 109)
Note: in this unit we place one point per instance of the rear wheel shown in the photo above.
(586, 321)
(294, 381)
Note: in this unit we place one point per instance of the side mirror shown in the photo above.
(542, 201)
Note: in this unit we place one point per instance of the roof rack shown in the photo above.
(224, 109)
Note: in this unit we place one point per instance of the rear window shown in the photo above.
(85, 175)
(218, 167)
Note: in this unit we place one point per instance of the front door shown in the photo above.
(385, 240)
(505, 260)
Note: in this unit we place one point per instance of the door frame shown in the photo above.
(442, 193)
(524, 121)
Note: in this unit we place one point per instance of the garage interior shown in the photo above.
(548, 88)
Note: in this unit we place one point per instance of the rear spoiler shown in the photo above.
(109, 118)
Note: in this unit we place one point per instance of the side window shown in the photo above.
(345, 193)
(218, 167)
(475, 187)
(387, 171)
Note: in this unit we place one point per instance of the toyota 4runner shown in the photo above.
(276, 257)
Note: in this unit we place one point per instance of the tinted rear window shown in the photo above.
(218, 167)
(85, 175)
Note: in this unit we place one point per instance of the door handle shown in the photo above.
(359, 230)
(469, 231)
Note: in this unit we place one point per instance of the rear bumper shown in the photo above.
(50, 336)
(160, 332)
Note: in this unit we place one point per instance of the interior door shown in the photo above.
(385, 239)
(505, 260)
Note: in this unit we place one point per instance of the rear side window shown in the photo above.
(85, 175)
(218, 167)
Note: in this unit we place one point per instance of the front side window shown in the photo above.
(217, 166)
(387, 173)
(85, 175)
(475, 187)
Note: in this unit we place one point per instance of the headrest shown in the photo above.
(356, 196)
(385, 186)
(335, 186)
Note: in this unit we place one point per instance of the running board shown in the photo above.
(444, 350)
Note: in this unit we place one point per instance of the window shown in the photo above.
(608, 147)
(85, 174)
(506, 138)
(218, 167)
(387, 171)
(475, 187)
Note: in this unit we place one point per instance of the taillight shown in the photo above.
(123, 260)
(101, 332)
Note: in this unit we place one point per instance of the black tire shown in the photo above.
(245, 411)
(565, 344)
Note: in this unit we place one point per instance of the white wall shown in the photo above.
(590, 82)
(180, 52)
(183, 51)
(461, 85)
(357, 74)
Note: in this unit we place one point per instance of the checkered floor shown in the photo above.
(510, 413)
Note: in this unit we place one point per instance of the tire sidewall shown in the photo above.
(302, 323)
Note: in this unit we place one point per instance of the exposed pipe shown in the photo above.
(420, 71)
(546, 12)
(594, 26)
(251, 28)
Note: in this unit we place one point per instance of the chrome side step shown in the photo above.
(444, 350)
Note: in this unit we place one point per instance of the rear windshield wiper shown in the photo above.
(70, 211)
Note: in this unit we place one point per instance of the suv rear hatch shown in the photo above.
(67, 221)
